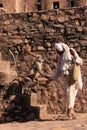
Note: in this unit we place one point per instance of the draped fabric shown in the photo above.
(65, 62)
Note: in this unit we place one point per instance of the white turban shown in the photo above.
(59, 46)
(63, 47)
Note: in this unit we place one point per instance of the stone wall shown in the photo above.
(62, 4)
(8, 6)
(28, 35)
(17, 6)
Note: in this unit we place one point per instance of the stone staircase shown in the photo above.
(41, 109)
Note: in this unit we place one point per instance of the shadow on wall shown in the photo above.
(7, 74)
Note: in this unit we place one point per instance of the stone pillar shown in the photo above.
(20, 6)
(8, 6)
(31, 5)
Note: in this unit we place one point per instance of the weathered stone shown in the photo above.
(40, 48)
(61, 19)
(47, 44)
(79, 29)
(33, 34)
(26, 48)
(44, 17)
(77, 23)
(75, 16)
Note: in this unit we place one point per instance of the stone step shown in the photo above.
(42, 111)
(42, 108)
(33, 99)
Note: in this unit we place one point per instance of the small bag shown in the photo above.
(76, 69)
(74, 73)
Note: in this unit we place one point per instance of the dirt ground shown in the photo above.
(79, 124)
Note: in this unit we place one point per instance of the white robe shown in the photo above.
(63, 66)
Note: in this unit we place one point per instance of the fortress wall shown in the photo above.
(37, 32)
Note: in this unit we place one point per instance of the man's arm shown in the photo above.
(76, 57)
(57, 72)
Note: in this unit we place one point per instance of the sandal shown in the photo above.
(65, 118)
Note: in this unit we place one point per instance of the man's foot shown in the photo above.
(71, 113)
(63, 118)
(72, 116)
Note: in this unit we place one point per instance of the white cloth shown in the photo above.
(63, 64)
(59, 46)
(71, 96)
(66, 59)
(79, 61)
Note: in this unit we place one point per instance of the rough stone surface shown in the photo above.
(16, 6)
(23, 37)
(79, 124)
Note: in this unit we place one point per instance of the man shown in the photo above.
(68, 56)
